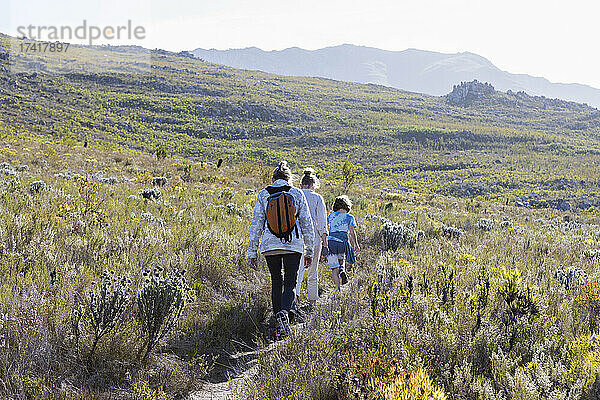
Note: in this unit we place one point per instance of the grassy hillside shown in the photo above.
(138, 99)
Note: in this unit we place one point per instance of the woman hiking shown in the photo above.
(318, 213)
(281, 209)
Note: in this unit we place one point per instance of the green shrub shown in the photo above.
(480, 297)
(160, 302)
(589, 300)
(585, 360)
(161, 153)
(446, 285)
(348, 174)
(107, 304)
(520, 306)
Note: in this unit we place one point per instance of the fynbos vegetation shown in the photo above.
(477, 276)
(160, 303)
(107, 305)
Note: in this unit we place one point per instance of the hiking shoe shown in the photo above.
(297, 316)
(343, 277)
(283, 324)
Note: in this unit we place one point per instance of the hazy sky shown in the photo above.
(550, 38)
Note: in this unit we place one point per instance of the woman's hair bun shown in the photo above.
(310, 180)
(282, 171)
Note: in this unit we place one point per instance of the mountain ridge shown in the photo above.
(414, 70)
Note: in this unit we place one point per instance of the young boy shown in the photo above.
(341, 232)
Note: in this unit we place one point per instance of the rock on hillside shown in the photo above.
(477, 93)
(470, 93)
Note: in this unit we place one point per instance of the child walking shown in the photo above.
(341, 233)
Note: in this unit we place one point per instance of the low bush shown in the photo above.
(485, 224)
(107, 304)
(373, 375)
(160, 302)
(589, 300)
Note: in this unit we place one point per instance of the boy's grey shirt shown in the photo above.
(302, 244)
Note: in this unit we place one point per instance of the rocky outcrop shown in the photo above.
(468, 93)
(533, 200)
(476, 93)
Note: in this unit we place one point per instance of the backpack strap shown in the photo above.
(277, 189)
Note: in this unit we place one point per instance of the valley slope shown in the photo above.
(499, 146)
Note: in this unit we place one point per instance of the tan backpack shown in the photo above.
(281, 213)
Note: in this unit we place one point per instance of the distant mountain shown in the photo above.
(413, 70)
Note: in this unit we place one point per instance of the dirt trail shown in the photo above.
(242, 367)
(213, 391)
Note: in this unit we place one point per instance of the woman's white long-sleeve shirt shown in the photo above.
(318, 212)
(302, 244)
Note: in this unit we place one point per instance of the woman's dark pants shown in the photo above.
(283, 285)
